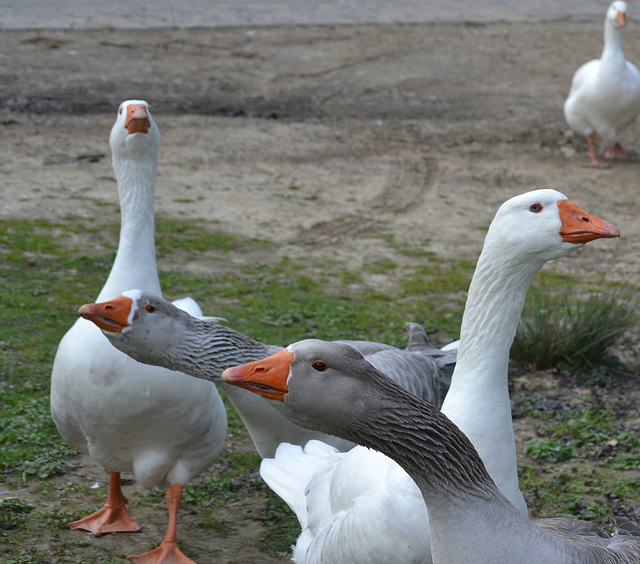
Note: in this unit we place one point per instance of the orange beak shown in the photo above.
(110, 316)
(578, 226)
(267, 377)
(621, 19)
(137, 119)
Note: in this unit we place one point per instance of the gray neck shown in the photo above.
(430, 448)
(206, 349)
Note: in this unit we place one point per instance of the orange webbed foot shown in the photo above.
(167, 553)
(113, 517)
(615, 153)
(109, 519)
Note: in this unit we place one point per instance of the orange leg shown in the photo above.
(615, 153)
(113, 517)
(168, 551)
(594, 161)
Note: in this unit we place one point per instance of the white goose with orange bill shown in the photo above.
(121, 413)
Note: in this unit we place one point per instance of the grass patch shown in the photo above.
(282, 527)
(46, 273)
(574, 331)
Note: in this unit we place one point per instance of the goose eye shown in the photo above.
(120, 109)
(149, 308)
(319, 366)
(535, 208)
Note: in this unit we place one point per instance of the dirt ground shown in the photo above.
(416, 131)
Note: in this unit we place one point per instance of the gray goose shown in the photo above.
(154, 331)
(331, 387)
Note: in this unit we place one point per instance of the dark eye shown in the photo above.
(120, 110)
(319, 366)
(149, 308)
(536, 208)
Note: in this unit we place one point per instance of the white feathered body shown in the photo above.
(163, 425)
(605, 93)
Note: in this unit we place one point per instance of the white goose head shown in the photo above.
(543, 225)
(134, 133)
(617, 13)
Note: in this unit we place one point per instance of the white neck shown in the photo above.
(478, 400)
(135, 262)
(612, 50)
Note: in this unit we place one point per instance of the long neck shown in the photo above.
(135, 262)
(206, 350)
(612, 54)
(468, 515)
(437, 455)
(478, 400)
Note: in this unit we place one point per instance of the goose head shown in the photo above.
(304, 380)
(617, 13)
(140, 324)
(134, 131)
(542, 225)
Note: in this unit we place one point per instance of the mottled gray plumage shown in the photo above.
(172, 338)
(470, 520)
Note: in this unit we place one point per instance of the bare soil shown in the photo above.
(324, 140)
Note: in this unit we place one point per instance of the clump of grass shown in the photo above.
(564, 329)
(281, 526)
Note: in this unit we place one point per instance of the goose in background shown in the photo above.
(154, 331)
(121, 413)
(359, 506)
(331, 387)
(605, 92)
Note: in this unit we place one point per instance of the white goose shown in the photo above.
(363, 508)
(360, 507)
(605, 93)
(329, 386)
(122, 413)
(154, 331)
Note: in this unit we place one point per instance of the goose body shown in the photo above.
(121, 413)
(169, 337)
(349, 505)
(329, 386)
(373, 524)
(605, 93)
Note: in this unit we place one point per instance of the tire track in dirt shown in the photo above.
(412, 176)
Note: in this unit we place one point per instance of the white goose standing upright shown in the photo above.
(605, 92)
(122, 413)
(359, 506)
(330, 387)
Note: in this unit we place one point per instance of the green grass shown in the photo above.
(45, 274)
(584, 459)
(573, 330)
